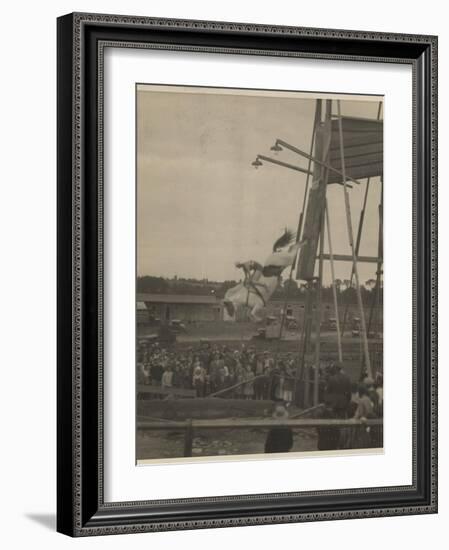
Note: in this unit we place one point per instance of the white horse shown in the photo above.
(260, 281)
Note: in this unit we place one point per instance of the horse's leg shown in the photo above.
(229, 306)
(256, 312)
(232, 298)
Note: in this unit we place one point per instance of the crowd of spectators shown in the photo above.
(344, 399)
(245, 373)
(240, 372)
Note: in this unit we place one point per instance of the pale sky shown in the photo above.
(201, 206)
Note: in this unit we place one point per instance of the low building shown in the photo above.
(142, 313)
(185, 307)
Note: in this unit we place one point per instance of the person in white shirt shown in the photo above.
(167, 378)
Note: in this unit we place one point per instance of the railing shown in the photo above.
(165, 391)
(190, 425)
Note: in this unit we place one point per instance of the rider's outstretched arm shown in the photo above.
(250, 265)
(295, 247)
(256, 265)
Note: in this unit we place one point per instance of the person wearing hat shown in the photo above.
(248, 387)
(198, 378)
(368, 382)
(261, 381)
(157, 371)
(337, 393)
(365, 410)
(279, 438)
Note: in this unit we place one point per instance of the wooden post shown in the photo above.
(301, 219)
(315, 203)
(312, 229)
(318, 318)
(376, 298)
(357, 246)
(352, 245)
(303, 372)
(334, 289)
(359, 230)
(188, 438)
(306, 386)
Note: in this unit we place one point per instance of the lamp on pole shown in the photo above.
(258, 162)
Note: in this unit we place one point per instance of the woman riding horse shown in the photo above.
(261, 281)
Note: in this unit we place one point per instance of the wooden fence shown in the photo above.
(164, 392)
(190, 426)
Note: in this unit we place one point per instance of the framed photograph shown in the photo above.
(247, 277)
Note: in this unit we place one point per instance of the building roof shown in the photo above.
(177, 299)
(362, 147)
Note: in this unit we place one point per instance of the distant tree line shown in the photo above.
(346, 291)
(160, 285)
(288, 290)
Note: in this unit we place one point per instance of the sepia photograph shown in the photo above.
(259, 273)
(228, 198)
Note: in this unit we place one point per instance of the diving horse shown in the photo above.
(261, 281)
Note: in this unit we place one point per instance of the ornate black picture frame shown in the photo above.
(81, 510)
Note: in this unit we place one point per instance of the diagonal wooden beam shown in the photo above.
(348, 258)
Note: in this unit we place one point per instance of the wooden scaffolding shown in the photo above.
(343, 150)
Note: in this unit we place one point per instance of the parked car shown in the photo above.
(165, 335)
(261, 334)
(177, 326)
(271, 329)
(291, 323)
(154, 321)
(146, 341)
(329, 325)
(271, 320)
